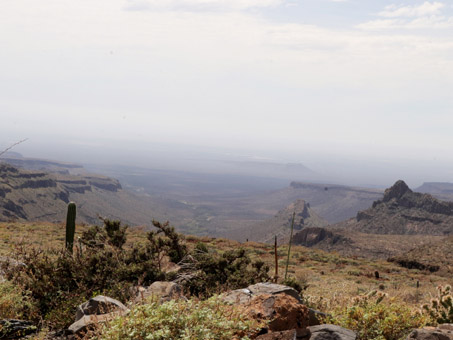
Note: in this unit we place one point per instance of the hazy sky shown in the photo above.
(354, 78)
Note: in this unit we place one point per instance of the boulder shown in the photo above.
(11, 328)
(283, 312)
(331, 332)
(432, 333)
(100, 305)
(273, 289)
(238, 296)
(164, 290)
(285, 335)
(315, 317)
(87, 322)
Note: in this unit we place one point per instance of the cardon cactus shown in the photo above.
(441, 309)
(70, 226)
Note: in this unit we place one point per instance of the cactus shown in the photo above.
(70, 226)
(441, 309)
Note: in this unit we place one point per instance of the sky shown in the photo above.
(316, 81)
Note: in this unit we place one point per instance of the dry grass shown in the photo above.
(332, 278)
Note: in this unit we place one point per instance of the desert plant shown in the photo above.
(70, 226)
(374, 317)
(171, 243)
(441, 308)
(15, 303)
(189, 320)
(206, 272)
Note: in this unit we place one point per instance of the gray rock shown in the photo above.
(331, 332)
(285, 335)
(238, 296)
(100, 305)
(11, 328)
(273, 289)
(87, 322)
(315, 317)
(164, 290)
(431, 334)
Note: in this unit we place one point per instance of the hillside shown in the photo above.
(353, 243)
(43, 196)
(434, 256)
(280, 224)
(404, 212)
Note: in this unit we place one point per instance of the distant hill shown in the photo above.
(280, 224)
(441, 190)
(43, 196)
(402, 211)
(353, 243)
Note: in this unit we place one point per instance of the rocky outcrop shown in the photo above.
(443, 332)
(96, 310)
(310, 237)
(280, 224)
(331, 332)
(404, 212)
(282, 312)
(245, 295)
(13, 329)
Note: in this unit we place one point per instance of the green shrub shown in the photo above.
(58, 281)
(441, 309)
(207, 273)
(14, 302)
(375, 318)
(299, 285)
(188, 320)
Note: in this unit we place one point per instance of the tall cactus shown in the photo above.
(70, 226)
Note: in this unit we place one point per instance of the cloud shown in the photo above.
(139, 5)
(425, 16)
(425, 9)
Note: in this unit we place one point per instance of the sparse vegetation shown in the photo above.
(189, 320)
(441, 308)
(375, 317)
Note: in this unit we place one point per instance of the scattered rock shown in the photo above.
(444, 333)
(238, 296)
(11, 328)
(273, 289)
(282, 311)
(87, 322)
(100, 305)
(285, 335)
(331, 332)
(315, 316)
(166, 291)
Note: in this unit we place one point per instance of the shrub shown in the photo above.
(58, 281)
(375, 318)
(207, 272)
(14, 302)
(441, 308)
(189, 320)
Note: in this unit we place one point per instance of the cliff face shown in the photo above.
(280, 224)
(43, 196)
(402, 211)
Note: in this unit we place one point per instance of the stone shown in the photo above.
(238, 296)
(446, 326)
(285, 335)
(331, 332)
(164, 290)
(315, 316)
(431, 334)
(283, 312)
(100, 305)
(87, 322)
(273, 289)
(12, 328)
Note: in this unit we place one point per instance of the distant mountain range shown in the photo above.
(402, 220)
